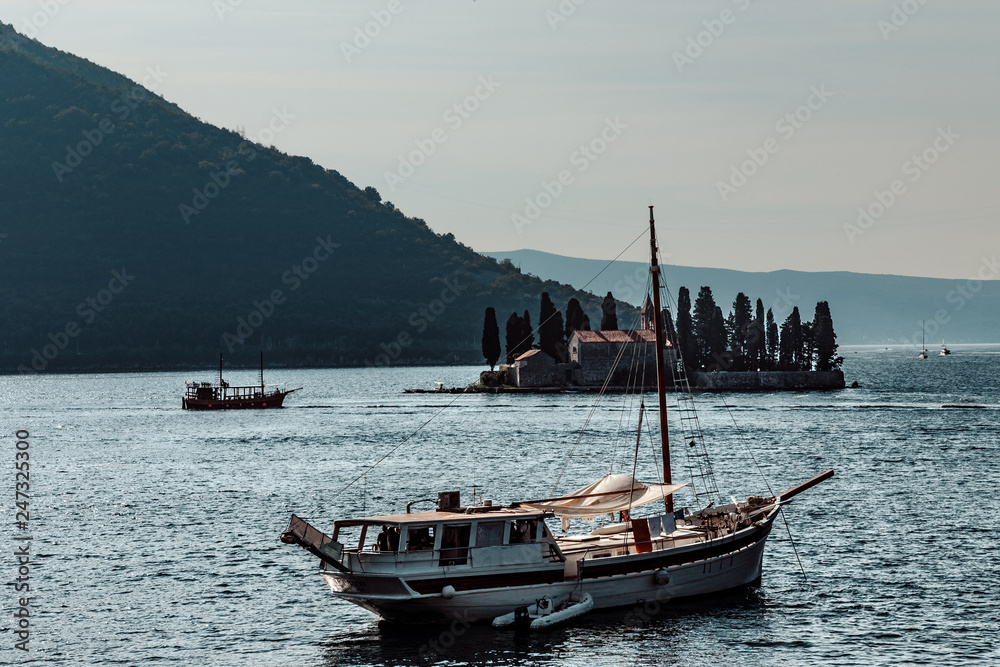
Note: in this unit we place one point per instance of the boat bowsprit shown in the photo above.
(545, 613)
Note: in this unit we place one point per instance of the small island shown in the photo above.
(746, 351)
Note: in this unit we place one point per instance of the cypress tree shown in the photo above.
(574, 317)
(491, 338)
(514, 335)
(686, 345)
(527, 334)
(550, 327)
(560, 349)
(825, 339)
(704, 312)
(808, 347)
(785, 352)
(771, 327)
(609, 317)
(790, 347)
(717, 339)
(795, 328)
(755, 339)
(741, 319)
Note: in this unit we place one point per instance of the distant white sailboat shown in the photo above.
(945, 352)
(923, 346)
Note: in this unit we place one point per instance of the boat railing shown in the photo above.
(374, 561)
(198, 390)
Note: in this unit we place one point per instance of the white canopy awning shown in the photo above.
(613, 493)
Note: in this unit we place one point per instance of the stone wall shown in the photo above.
(768, 380)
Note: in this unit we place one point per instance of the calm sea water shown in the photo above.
(155, 530)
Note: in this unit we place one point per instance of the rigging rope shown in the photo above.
(597, 401)
(391, 451)
(538, 328)
(792, 542)
(746, 444)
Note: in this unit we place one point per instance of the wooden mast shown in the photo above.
(262, 372)
(220, 369)
(661, 371)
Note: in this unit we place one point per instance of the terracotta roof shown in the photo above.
(531, 353)
(627, 336)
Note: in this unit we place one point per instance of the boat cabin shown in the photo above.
(465, 539)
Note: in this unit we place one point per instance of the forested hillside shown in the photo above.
(133, 235)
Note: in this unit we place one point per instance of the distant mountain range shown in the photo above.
(133, 235)
(866, 308)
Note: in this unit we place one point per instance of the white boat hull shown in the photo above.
(392, 599)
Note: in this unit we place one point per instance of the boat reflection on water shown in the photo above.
(631, 630)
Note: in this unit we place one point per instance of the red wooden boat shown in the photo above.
(208, 396)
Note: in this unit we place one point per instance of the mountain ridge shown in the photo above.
(867, 308)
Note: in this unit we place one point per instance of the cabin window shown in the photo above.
(388, 539)
(489, 533)
(523, 531)
(546, 534)
(455, 543)
(351, 536)
(420, 538)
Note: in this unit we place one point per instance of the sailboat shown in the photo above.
(208, 396)
(500, 563)
(923, 346)
(945, 352)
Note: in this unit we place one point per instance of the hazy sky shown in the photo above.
(757, 128)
